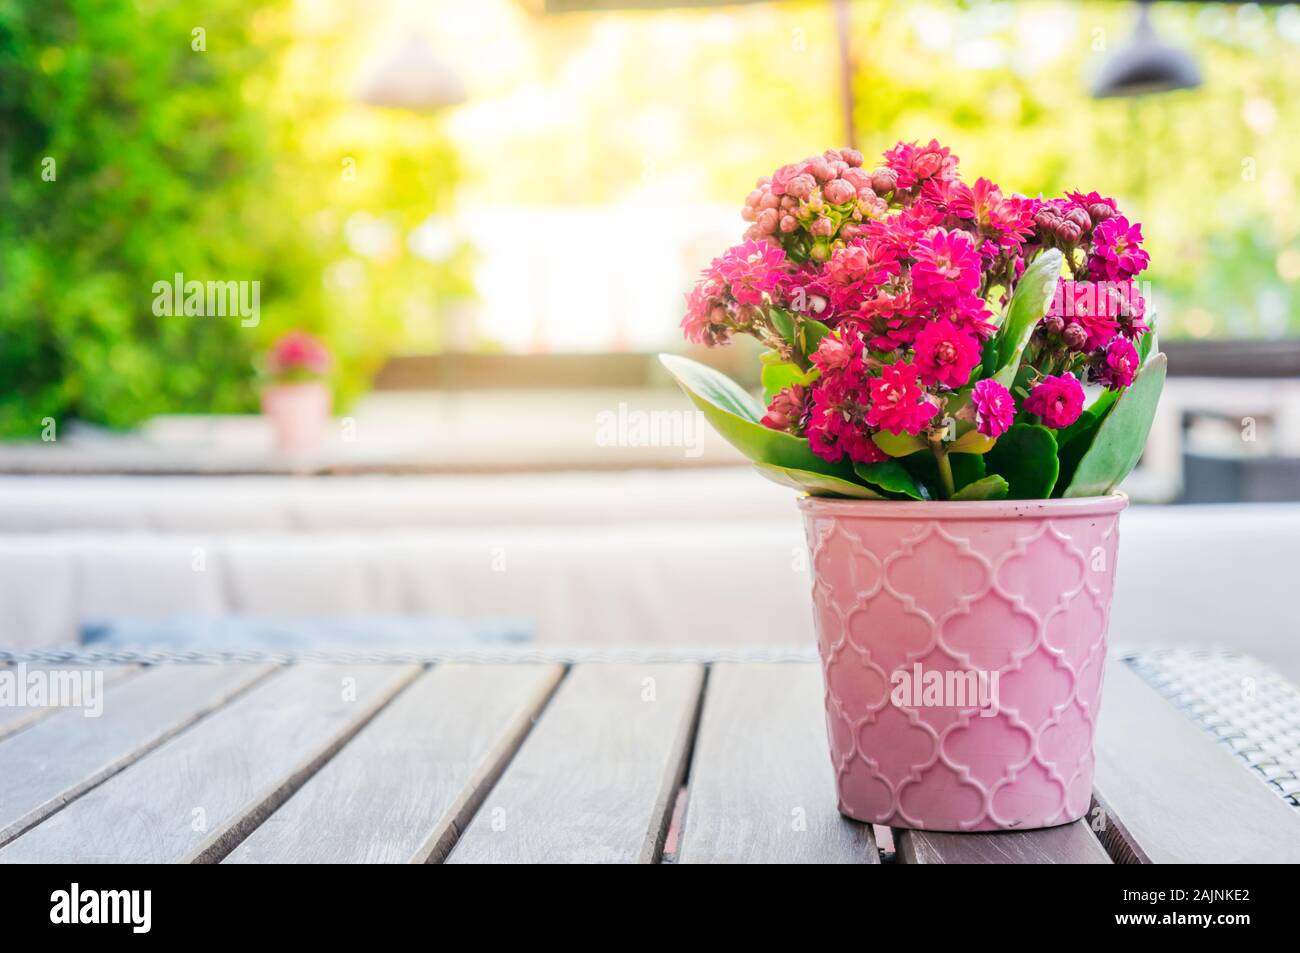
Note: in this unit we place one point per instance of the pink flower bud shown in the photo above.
(769, 200)
(839, 168)
(1047, 219)
(820, 252)
(749, 214)
(833, 155)
(1054, 324)
(884, 181)
(1100, 211)
(789, 202)
(753, 197)
(852, 156)
(821, 170)
(801, 186)
(1068, 232)
(822, 227)
(1075, 336)
(767, 220)
(1080, 218)
(850, 231)
(837, 191)
(789, 223)
(857, 178)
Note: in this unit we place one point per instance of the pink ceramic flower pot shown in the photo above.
(299, 413)
(963, 646)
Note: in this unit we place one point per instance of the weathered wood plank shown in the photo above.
(1067, 844)
(1170, 793)
(195, 797)
(59, 758)
(410, 780)
(762, 789)
(14, 718)
(597, 777)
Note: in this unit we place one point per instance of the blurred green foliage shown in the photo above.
(133, 148)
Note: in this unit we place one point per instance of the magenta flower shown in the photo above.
(995, 410)
(1057, 399)
(836, 426)
(946, 354)
(705, 321)
(1007, 222)
(1119, 364)
(898, 404)
(752, 269)
(788, 409)
(298, 353)
(1091, 305)
(947, 266)
(912, 163)
(835, 354)
(1117, 253)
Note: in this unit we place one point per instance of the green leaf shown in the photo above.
(989, 488)
(1028, 304)
(812, 333)
(783, 321)
(1073, 442)
(703, 382)
(735, 415)
(891, 476)
(898, 445)
(817, 484)
(1150, 343)
(802, 331)
(972, 441)
(1122, 435)
(778, 376)
(1026, 456)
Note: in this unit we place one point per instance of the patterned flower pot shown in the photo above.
(299, 413)
(963, 646)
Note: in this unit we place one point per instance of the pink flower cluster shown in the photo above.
(298, 354)
(900, 265)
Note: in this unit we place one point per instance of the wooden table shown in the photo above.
(597, 761)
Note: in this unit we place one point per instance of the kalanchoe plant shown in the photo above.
(929, 339)
(297, 356)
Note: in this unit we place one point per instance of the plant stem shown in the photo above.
(945, 469)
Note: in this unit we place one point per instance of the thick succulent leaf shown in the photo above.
(1026, 456)
(890, 476)
(1121, 435)
(989, 488)
(1073, 442)
(972, 441)
(1150, 343)
(803, 332)
(898, 445)
(1028, 304)
(816, 484)
(735, 415)
(699, 380)
(777, 375)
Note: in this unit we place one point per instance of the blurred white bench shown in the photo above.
(696, 556)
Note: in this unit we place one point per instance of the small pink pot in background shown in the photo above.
(963, 646)
(299, 413)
